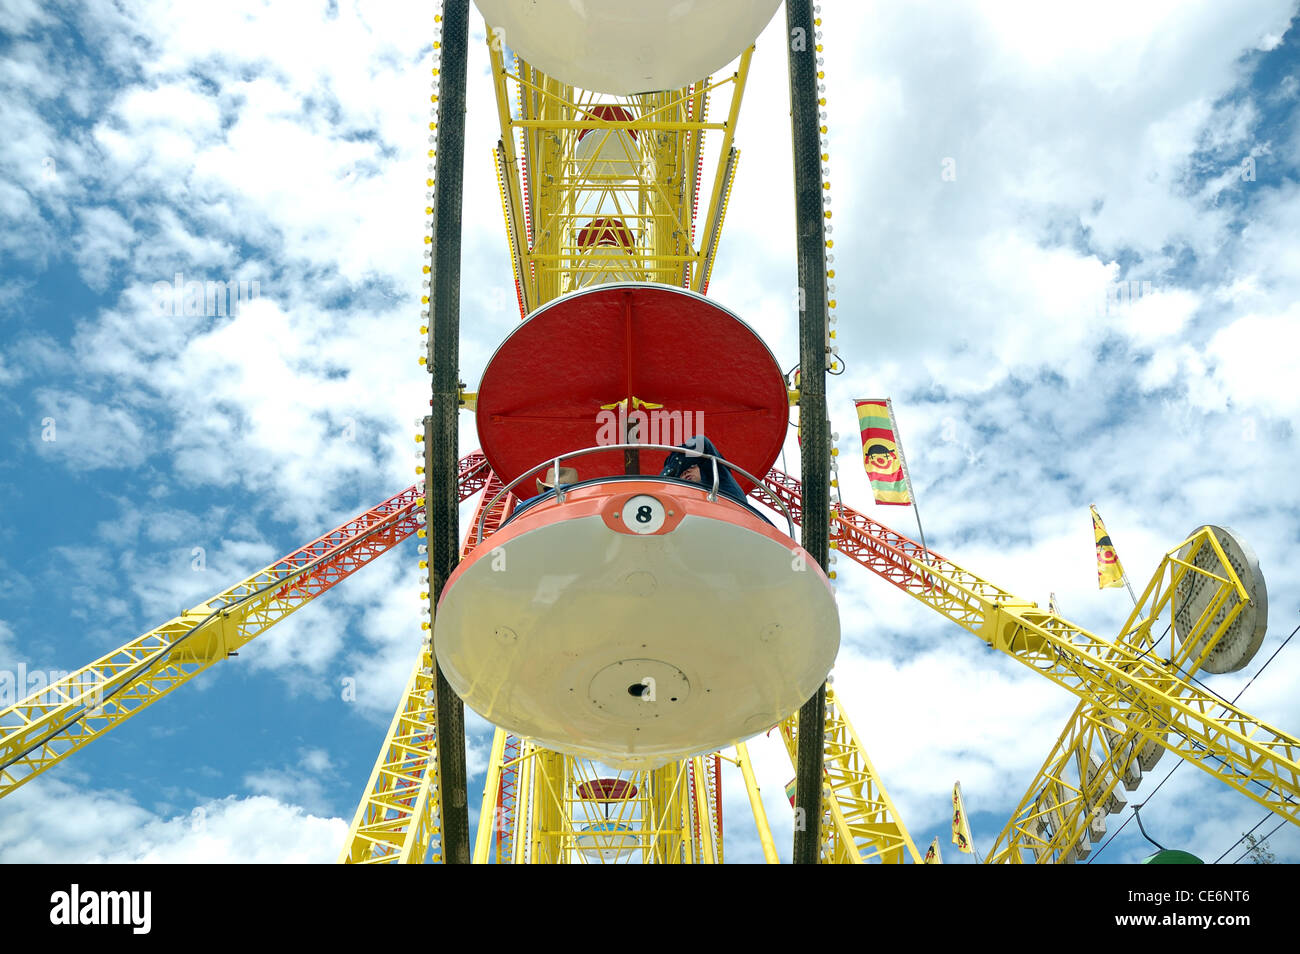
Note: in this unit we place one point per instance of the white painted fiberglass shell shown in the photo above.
(627, 46)
(563, 631)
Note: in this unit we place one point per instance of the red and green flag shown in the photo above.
(881, 455)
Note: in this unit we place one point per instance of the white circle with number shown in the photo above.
(643, 514)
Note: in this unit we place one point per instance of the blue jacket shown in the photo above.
(681, 460)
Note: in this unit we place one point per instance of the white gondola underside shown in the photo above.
(548, 636)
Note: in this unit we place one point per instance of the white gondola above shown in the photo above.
(604, 253)
(610, 152)
(625, 47)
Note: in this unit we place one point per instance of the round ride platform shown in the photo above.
(635, 642)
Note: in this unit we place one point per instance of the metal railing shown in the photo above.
(559, 488)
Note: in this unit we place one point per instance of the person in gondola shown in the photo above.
(689, 465)
(546, 488)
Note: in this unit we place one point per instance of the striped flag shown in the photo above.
(1109, 570)
(961, 836)
(881, 455)
(789, 789)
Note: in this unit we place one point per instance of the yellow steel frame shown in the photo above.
(1065, 809)
(861, 823)
(1122, 682)
(488, 810)
(43, 729)
(549, 194)
(399, 820)
(670, 820)
(703, 825)
(551, 820)
(400, 814)
(746, 767)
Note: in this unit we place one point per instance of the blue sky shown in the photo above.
(286, 147)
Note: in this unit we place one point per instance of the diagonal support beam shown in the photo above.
(1135, 695)
(40, 731)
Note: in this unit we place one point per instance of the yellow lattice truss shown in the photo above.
(650, 186)
(860, 823)
(43, 729)
(1124, 682)
(558, 816)
(1064, 812)
(398, 820)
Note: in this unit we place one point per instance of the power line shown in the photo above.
(1179, 764)
(1243, 837)
(1265, 838)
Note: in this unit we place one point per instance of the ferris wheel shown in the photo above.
(640, 589)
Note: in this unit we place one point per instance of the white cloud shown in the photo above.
(1254, 355)
(21, 15)
(7, 646)
(88, 435)
(1085, 156)
(302, 784)
(105, 238)
(52, 821)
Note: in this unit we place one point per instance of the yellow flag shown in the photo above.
(932, 856)
(886, 469)
(961, 836)
(1109, 570)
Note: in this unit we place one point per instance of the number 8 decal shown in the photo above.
(643, 514)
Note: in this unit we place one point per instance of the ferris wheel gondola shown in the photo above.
(633, 616)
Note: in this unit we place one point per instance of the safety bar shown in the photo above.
(559, 490)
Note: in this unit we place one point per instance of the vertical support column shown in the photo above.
(756, 805)
(442, 499)
(810, 238)
(491, 815)
(550, 805)
(703, 822)
(667, 798)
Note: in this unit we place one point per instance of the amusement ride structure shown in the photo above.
(618, 606)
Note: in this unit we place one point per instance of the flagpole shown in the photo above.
(911, 487)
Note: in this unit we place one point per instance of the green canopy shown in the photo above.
(1172, 856)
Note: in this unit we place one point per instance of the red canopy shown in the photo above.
(554, 384)
(607, 790)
